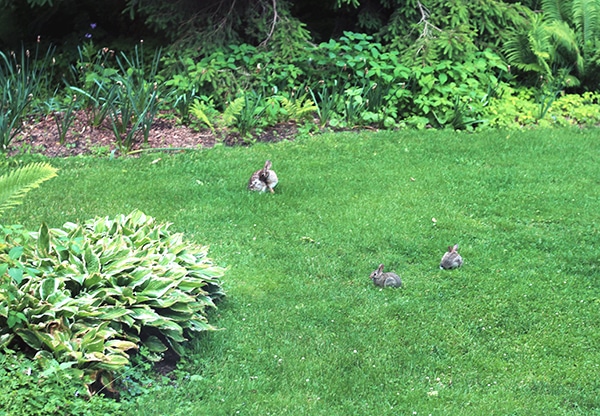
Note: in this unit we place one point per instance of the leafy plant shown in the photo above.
(133, 111)
(63, 116)
(93, 78)
(453, 93)
(576, 109)
(354, 104)
(244, 113)
(548, 92)
(125, 90)
(298, 107)
(199, 110)
(184, 102)
(544, 47)
(327, 101)
(136, 102)
(21, 79)
(87, 294)
(27, 389)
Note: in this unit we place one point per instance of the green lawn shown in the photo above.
(305, 332)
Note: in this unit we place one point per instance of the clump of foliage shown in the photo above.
(405, 64)
(520, 108)
(564, 38)
(24, 77)
(86, 295)
(124, 91)
(27, 389)
(435, 30)
(352, 81)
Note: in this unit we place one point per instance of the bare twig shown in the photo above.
(273, 24)
(225, 17)
(427, 26)
(426, 33)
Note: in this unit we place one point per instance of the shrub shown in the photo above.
(88, 294)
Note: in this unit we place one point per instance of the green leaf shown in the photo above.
(43, 241)
(110, 313)
(15, 252)
(157, 287)
(92, 280)
(6, 339)
(48, 287)
(34, 339)
(171, 329)
(16, 274)
(145, 314)
(154, 344)
(91, 261)
(112, 362)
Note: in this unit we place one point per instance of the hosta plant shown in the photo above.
(86, 295)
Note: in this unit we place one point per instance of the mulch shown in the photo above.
(41, 136)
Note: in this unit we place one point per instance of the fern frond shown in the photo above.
(565, 50)
(306, 109)
(15, 184)
(546, 44)
(233, 111)
(586, 17)
(529, 51)
(557, 10)
(197, 110)
(299, 108)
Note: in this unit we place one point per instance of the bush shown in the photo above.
(87, 295)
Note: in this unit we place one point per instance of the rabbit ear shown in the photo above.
(455, 247)
(267, 165)
(380, 268)
(449, 249)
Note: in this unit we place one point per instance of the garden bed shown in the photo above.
(42, 137)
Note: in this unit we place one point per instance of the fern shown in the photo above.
(529, 51)
(565, 49)
(233, 111)
(299, 108)
(547, 45)
(197, 110)
(557, 10)
(14, 185)
(586, 19)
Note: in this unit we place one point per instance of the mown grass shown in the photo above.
(514, 331)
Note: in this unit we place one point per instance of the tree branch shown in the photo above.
(427, 27)
(273, 24)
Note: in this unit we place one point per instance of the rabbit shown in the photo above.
(387, 279)
(451, 258)
(263, 179)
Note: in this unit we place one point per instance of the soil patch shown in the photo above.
(42, 137)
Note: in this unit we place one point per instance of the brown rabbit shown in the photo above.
(451, 258)
(387, 279)
(263, 179)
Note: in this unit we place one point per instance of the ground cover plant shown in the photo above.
(304, 329)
